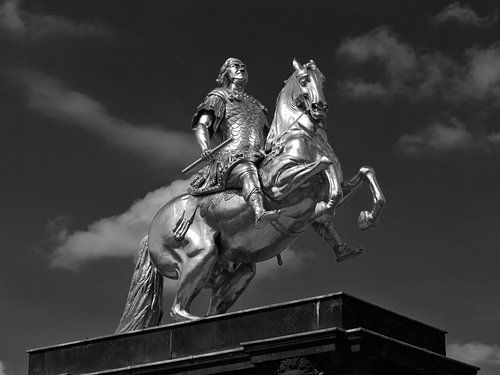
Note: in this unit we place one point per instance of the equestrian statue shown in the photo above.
(261, 188)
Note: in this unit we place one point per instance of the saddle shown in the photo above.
(211, 200)
(202, 203)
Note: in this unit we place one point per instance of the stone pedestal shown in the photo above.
(334, 334)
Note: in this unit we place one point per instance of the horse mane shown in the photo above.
(286, 98)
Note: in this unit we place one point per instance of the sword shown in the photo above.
(198, 161)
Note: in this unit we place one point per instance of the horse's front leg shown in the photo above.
(282, 176)
(341, 249)
(335, 192)
(366, 219)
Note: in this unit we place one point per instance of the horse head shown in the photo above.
(301, 95)
(309, 83)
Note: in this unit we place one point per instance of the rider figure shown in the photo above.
(229, 112)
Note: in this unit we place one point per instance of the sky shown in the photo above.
(96, 100)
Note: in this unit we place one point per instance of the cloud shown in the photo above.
(2, 368)
(418, 75)
(494, 138)
(404, 71)
(293, 259)
(115, 236)
(10, 21)
(475, 353)
(167, 148)
(361, 89)
(464, 15)
(473, 81)
(20, 23)
(482, 80)
(437, 139)
(383, 45)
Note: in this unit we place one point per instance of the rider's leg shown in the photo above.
(335, 193)
(245, 174)
(228, 287)
(342, 250)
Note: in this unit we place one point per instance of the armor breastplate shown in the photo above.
(244, 122)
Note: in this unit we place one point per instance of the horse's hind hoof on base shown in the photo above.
(365, 220)
(180, 315)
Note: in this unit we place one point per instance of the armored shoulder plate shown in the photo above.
(215, 102)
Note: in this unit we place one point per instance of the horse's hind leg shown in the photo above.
(198, 259)
(228, 287)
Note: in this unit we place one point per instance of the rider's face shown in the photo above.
(237, 72)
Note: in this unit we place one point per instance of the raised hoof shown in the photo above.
(266, 217)
(365, 220)
(180, 315)
(348, 252)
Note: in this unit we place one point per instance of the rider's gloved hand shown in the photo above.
(207, 154)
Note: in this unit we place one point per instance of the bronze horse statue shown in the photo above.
(211, 242)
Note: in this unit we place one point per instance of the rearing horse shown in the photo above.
(211, 242)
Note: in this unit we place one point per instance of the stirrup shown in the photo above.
(266, 217)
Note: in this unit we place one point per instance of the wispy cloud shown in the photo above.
(494, 138)
(17, 22)
(414, 75)
(48, 96)
(115, 236)
(475, 353)
(404, 71)
(464, 15)
(293, 258)
(417, 75)
(2, 368)
(482, 78)
(438, 138)
(10, 21)
(361, 89)
(383, 45)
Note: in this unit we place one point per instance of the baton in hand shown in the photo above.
(216, 149)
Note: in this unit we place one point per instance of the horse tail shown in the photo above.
(144, 302)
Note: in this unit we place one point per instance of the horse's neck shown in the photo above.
(285, 115)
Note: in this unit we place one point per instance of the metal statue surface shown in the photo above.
(213, 237)
(229, 112)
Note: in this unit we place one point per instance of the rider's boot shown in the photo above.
(247, 173)
(341, 249)
(262, 216)
(344, 251)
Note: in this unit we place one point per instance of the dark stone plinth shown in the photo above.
(340, 333)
